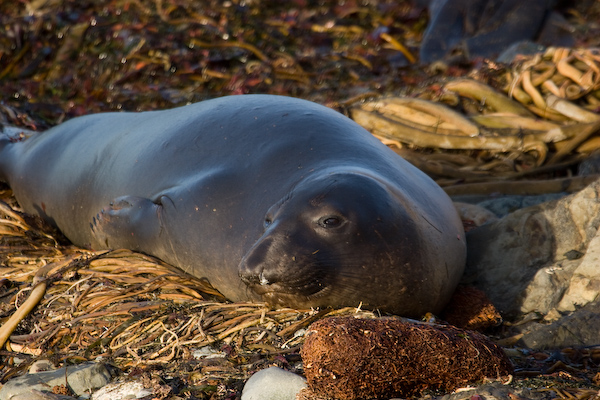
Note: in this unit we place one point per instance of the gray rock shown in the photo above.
(524, 263)
(504, 205)
(33, 394)
(273, 384)
(479, 28)
(580, 328)
(483, 28)
(494, 391)
(81, 379)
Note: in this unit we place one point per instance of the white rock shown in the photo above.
(585, 283)
(41, 366)
(122, 390)
(474, 213)
(273, 384)
(208, 352)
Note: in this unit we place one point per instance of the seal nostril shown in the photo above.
(267, 222)
(263, 281)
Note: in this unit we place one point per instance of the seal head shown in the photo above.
(342, 239)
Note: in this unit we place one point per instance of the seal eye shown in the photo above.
(330, 221)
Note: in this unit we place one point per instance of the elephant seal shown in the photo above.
(268, 197)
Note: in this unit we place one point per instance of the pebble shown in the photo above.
(122, 390)
(82, 379)
(41, 366)
(273, 384)
(473, 213)
(492, 391)
(208, 352)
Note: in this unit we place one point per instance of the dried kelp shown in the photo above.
(129, 308)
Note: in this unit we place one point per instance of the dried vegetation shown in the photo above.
(61, 59)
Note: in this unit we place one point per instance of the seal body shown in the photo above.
(268, 197)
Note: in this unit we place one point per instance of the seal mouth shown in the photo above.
(292, 297)
(262, 286)
(303, 290)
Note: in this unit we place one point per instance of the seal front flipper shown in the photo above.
(127, 222)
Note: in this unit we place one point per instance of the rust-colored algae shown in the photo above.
(469, 308)
(350, 358)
